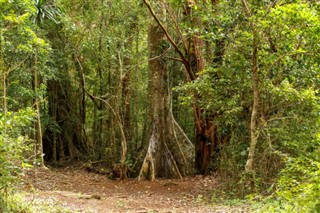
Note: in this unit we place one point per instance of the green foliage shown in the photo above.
(109, 44)
(19, 37)
(19, 42)
(299, 184)
(296, 139)
(226, 99)
(288, 88)
(19, 203)
(13, 143)
(46, 10)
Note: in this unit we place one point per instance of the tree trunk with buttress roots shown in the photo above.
(191, 56)
(159, 161)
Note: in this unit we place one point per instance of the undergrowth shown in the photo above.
(27, 203)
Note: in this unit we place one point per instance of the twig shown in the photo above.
(17, 65)
(174, 19)
(175, 59)
(281, 57)
(272, 4)
(245, 4)
(150, 59)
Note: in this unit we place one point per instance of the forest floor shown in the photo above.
(76, 190)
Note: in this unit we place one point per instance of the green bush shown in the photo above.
(299, 185)
(13, 131)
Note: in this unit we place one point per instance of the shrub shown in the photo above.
(13, 131)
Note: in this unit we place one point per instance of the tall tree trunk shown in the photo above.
(83, 105)
(38, 130)
(254, 129)
(205, 134)
(126, 93)
(194, 62)
(51, 135)
(3, 73)
(123, 153)
(159, 160)
(63, 139)
(100, 143)
(254, 132)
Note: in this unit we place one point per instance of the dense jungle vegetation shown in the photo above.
(152, 89)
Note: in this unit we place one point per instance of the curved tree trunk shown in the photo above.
(254, 124)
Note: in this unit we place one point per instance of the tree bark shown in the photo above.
(205, 134)
(38, 129)
(193, 61)
(255, 107)
(4, 87)
(159, 161)
(254, 129)
(63, 139)
(126, 96)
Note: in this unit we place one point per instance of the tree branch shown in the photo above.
(150, 59)
(272, 5)
(281, 57)
(16, 65)
(174, 19)
(183, 58)
(175, 59)
(248, 11)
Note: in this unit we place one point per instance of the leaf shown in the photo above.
(26, 165)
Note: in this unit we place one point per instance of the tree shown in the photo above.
(159, 160)
(44, 12)
(191, 54)
(254, 131)
(19, 34)
(18, 42)
(64, 136)
(271, 58)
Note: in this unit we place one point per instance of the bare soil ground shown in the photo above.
(80, 191)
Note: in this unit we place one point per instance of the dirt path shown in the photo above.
(81, 191)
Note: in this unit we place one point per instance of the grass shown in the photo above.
(22, 202)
